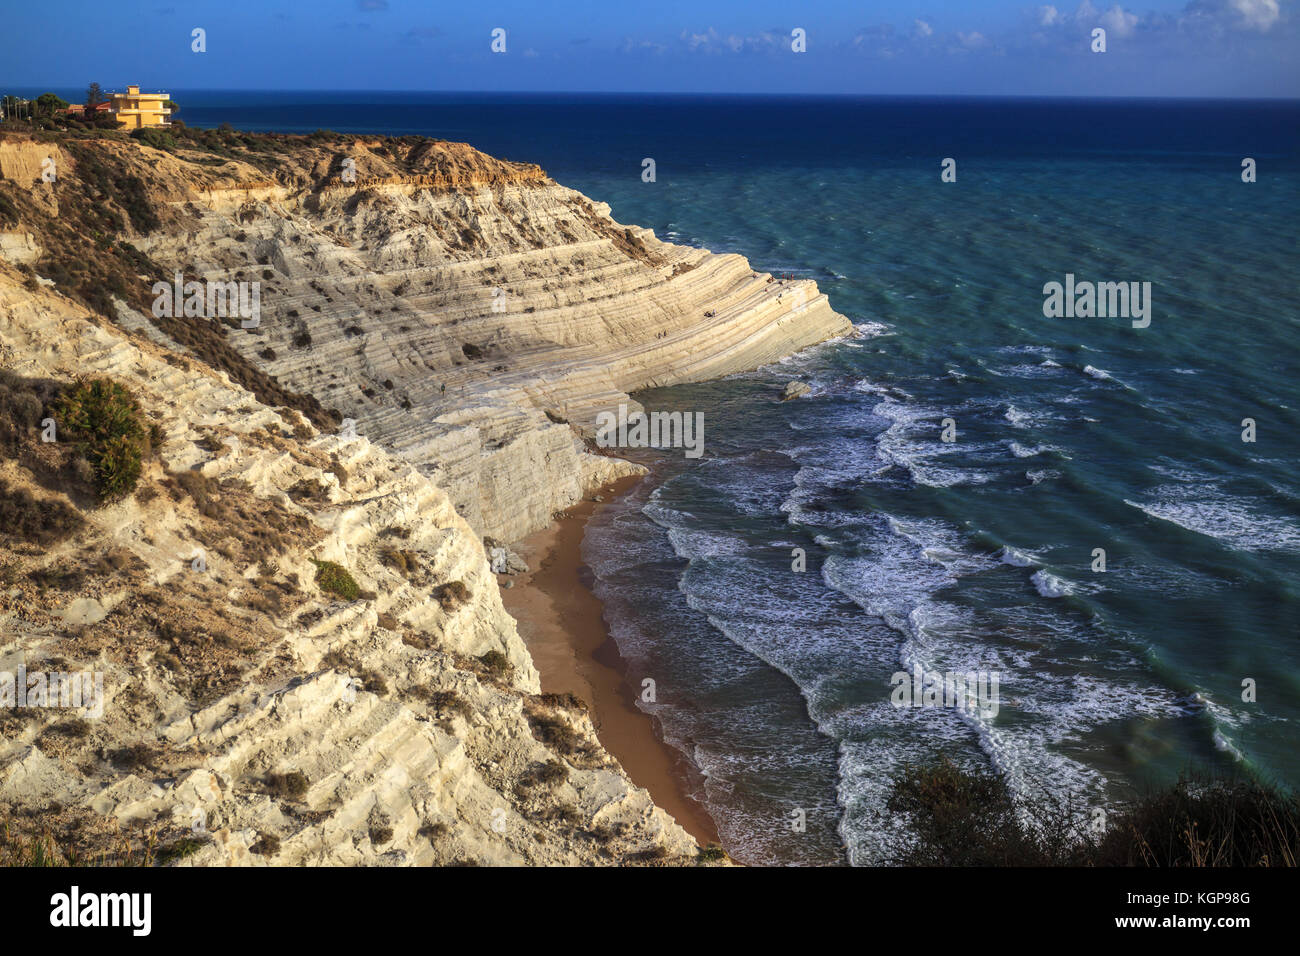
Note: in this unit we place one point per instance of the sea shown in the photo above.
(1102, 511)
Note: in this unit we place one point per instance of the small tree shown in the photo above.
(94, 96)
(47, 104)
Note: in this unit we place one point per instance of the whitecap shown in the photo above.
(1016, 558)
(1205, 510)
(1016, 417)
(1049, 585)
(1020, 451)
(871, 330)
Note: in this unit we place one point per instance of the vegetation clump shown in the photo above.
(969, 818)
(550, 728)
(453, 595)
(447, 702)
(134, 757)
(287, 786)
(40, 850)
(495, 662)
(108, 425)
(550, 774)
(335, 579)
(435, 831)
(22, 405)
(185, 846)
(404, 562)
(158, 139)
(713, 853)
(268, 844)
(41, 521)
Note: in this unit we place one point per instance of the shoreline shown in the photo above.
(562, 623)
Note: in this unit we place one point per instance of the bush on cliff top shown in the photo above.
(156, 138)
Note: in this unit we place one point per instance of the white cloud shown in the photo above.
(1049, 16)
(973, 40)
(1256, 14)
(1119, 23)
(923, 29)
(711, 41)
(643, 46)
(696, 41)
(1086, 11)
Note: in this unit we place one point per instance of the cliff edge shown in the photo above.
(303, 652)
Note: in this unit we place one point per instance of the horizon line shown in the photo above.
(713, 93)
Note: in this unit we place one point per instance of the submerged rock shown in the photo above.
(794, 390)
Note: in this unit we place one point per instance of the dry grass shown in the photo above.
(453, 595)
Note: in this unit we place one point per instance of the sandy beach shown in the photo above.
(561, 622)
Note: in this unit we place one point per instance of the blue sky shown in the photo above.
(1226, 48)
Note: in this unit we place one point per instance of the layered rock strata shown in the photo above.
(467, 318)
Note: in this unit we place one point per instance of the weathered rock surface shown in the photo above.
(250, 718)
(18, 247)
(474, 319)
(470, 317)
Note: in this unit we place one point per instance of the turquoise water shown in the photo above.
(1072, 435)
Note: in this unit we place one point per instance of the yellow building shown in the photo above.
(136, 110)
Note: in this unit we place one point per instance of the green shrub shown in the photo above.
(117, 468)
(185, 846)
(712, 853)
(106, 422)
(156, 138)
(334, 579)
